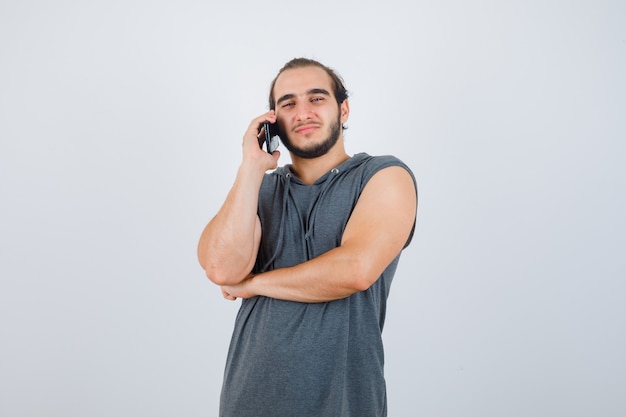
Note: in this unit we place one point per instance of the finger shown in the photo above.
(261, 135)
(257, 123)
(227, 296)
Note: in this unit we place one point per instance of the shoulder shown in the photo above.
(384, 161)
(371, 165)
(274, 178)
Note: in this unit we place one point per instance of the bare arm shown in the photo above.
(229, 243)
(375, 234)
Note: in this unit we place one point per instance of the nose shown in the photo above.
(303, 113)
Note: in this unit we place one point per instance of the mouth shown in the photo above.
(305, 129)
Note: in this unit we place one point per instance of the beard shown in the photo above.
(317, 149)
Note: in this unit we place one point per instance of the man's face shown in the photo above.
(309, 117)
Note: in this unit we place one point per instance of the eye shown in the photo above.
(288, 104)
(317, 99)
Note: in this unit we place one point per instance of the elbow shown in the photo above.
(362, 283)
(220, 277)
(364, 276)
(217, 272)
(215, 278)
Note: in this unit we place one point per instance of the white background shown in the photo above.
(120, 131)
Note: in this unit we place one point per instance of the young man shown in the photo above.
(311, 249)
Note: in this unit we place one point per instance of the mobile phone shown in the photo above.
(271, 136)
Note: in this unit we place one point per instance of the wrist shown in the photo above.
(251, 173)
(252, 285)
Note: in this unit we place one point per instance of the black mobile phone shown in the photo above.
(271, 136)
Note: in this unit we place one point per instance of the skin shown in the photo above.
(375, 233)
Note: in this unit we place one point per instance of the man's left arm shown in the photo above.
(376, 232)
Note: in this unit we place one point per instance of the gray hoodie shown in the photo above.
(309, 359)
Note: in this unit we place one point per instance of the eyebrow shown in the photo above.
(312, 91)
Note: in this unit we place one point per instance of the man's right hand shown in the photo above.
(252, 141)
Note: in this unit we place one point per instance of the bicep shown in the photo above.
(382, 219)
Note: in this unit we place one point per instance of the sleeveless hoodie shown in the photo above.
(309, 359)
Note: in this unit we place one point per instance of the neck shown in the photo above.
(310, 170)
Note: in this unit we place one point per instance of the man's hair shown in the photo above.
(339, 90)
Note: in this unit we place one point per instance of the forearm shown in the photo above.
(336, 274)
(228, 244)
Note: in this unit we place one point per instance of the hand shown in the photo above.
(226, 295)
(252, 140)
(241, 290)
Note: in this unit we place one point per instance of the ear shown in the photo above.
(345, 111)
